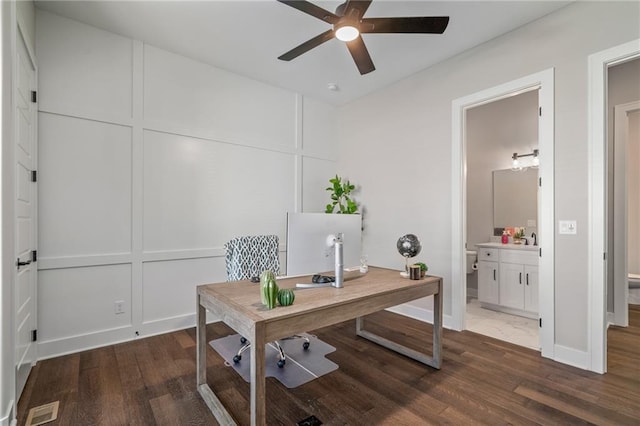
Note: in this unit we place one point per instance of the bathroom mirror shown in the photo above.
(515, 198)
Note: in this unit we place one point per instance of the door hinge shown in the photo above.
(604, 256)
(34, 255)
(34, 335)
(540, 322)
(34, 96)
(34, 175)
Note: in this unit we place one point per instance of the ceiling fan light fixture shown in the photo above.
(347, 33)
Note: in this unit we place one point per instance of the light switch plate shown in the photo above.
(531, 222)
(567, 227)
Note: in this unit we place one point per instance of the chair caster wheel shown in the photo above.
(236, 359)
(305, 345)
(281, 363)
(243, 340)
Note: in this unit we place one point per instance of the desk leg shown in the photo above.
(201, 344)
(217, 409)
(437, 328)
(258, 382)
(435, 360)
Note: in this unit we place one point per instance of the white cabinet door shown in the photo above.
(511, 285)
(488, 282)
(531, 288)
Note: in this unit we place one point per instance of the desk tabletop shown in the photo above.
(244, 296)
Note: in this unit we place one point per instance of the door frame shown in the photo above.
(597, 250)
(542, 81)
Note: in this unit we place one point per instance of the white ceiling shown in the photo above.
(246, 37)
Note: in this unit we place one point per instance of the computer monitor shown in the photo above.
(307, 248)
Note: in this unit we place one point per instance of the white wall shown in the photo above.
(150, 162)
(403, 162)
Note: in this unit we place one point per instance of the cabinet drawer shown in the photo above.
(519, 256)
(489, 254)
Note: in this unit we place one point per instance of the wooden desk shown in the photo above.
(238, 305)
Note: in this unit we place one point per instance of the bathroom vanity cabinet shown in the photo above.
(508, 278)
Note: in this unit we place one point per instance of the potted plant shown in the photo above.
(341, 197)
(518, 236)
(423, 268)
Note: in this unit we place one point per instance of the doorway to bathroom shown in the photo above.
(502, 204)
(517, 264)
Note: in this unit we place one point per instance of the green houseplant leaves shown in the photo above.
(340, 197)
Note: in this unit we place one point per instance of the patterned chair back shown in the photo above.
(249, 256)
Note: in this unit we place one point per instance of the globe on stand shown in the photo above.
(408, 246)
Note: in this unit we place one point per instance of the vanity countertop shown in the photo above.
(508, 246)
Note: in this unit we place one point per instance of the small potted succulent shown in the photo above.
(423, 268)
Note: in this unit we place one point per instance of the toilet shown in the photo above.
(633, 279)
(472, 257)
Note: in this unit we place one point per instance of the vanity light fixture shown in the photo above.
(515, 163)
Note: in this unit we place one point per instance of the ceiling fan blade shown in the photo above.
(307, 45)
(312, 9)
(414, 24)
(356, 8)
(360, 55)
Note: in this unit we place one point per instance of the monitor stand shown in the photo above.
(313, 285)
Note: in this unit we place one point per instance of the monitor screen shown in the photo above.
(308, 251)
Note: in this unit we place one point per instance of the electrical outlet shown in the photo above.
(118, 307)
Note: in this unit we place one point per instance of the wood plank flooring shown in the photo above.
(151, 381)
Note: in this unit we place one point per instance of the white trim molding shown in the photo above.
(598, 64)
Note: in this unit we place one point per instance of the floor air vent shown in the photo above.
(43, 414)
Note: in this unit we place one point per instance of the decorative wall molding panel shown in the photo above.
(150, 162)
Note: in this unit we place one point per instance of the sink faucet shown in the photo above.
(535, 238)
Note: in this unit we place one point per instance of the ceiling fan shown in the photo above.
(348, 23)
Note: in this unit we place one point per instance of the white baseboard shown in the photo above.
(73, 344)
(570, 356)
(472, 292)
(610, 319)
(420, 314)
(69, 345)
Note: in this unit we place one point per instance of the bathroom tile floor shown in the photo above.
(510, 328)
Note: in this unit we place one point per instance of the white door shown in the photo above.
(25, 214)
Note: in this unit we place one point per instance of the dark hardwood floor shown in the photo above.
(482, 381)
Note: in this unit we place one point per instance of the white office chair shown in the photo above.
(246, 258)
